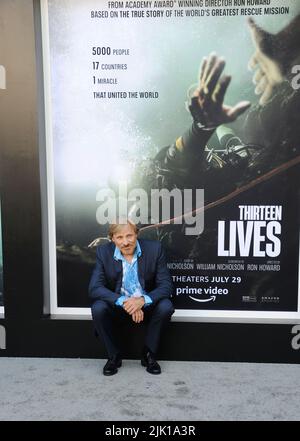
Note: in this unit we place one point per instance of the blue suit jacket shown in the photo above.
(154, 276)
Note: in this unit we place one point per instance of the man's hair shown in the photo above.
(113, 228)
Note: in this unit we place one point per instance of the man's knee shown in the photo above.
(100, 309)
(165, 308)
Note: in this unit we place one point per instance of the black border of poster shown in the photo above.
(66, 290)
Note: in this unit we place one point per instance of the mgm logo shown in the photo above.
(2, 77)
(2, 337)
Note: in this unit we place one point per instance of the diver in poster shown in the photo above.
(269, 134)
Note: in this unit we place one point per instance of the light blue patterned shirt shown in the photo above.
(131, 286)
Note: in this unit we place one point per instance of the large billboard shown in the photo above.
(183, 114)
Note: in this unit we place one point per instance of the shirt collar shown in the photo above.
(137, 252)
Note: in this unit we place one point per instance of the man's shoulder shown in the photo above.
(106, 248)
(150, 245)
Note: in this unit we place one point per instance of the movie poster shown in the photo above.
(184, 114)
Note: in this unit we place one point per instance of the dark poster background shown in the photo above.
(29, 329)
(101, 139)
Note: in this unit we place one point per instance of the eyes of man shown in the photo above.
(129, 236)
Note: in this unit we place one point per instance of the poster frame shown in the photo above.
(50, 275)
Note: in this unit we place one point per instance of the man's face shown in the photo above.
(125, 239)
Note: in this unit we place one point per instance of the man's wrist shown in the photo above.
(147, 300)
(206, 127)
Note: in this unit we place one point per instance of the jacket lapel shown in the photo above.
(117, 270)
(118, 266)
(119, 274)
(141, 268)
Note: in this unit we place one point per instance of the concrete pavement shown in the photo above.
(34, 389)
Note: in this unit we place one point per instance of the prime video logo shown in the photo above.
(2, 77)
(2, 337)
(187, 207)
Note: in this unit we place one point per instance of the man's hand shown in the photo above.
(138, 316)
(267, 60)
(206, 105)
(274, 56)
(133, 304)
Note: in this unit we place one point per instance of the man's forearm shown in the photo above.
(160, 293)
(102, 293)
(189, 147)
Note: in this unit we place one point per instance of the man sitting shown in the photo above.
(130, 278)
